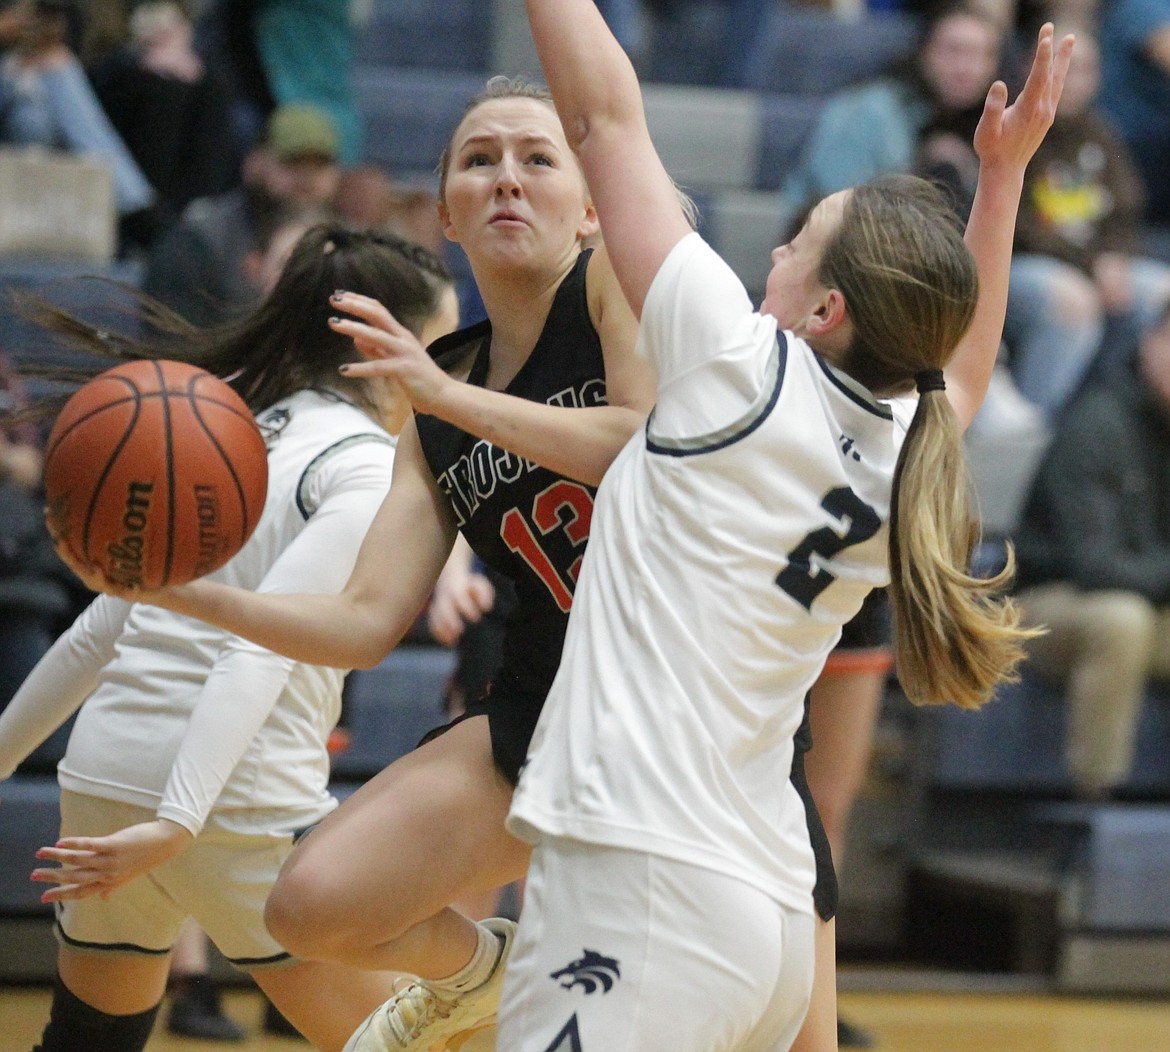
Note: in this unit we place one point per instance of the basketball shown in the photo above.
(156, 472)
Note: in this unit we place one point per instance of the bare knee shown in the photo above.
(1123, 625)
(1073, 299)
(302, 914)
(316, 914)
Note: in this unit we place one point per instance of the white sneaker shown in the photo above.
(419, 1019)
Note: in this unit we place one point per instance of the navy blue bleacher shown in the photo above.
(93, 291)
(390, 707)
(422, 34)
(29, 820)
(785, 122)
(408, 115)
(1015, 744)
(805, 51)
(1081, 889)
(680, 49)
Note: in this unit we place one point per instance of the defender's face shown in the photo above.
(793, 290)
(514, 191)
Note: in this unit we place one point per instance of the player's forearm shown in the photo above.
(329, 630)
(580, 443)
(589, 74)
(989, 236)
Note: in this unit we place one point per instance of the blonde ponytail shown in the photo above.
(956, 637)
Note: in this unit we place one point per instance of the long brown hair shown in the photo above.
(911, 286)
(285, 345)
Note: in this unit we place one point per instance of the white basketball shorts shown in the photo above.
(619, 951)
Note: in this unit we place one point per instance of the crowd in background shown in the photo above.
(230, 127)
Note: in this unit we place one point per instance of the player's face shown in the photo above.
(515, 195)
(793, 291)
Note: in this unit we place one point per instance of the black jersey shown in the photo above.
(528, 523)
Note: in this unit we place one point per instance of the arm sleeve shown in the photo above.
(247, 681)
(61, 681)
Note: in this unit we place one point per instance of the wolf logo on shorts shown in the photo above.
(592, 972)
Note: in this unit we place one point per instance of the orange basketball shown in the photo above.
(156, 472)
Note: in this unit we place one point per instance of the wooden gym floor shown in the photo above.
(900, 1021)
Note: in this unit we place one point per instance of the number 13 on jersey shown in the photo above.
(564, 505)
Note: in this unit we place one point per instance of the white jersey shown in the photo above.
(180, 716)
(729, 545)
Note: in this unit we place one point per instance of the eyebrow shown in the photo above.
(527, 138)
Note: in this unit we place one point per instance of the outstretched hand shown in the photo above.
(100, 865)
(93, 576)
(390, 349)
(458, 600)
(1010, 135)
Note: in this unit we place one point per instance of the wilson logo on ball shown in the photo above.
(156, 472)
(124, 562)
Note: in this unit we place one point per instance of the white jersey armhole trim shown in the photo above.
(852, 390)
(305, 504)
(752, 418)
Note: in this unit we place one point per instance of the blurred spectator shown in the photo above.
(1077, 251)
(368, 196)
(1094, 560)
(917, 115)
(198, 268)
(279, 52)
(225, 38)
(47, 100)
(308, 48)
(172, 112)
(107, 27)
(1135, 90)
(35, 597)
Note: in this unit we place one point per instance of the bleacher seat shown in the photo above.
(785, 123)
(391, 706)
(999, 852)
(744, 226)
(29, 819)
(453, 35)
(707, 139)
(1015, 744)
(90, 290)
(408, 116)
(807, 51)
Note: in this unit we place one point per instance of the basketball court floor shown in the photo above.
(942, 1021)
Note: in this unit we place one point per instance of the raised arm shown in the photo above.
(1005, 141)
(600, 104)
(579, 443)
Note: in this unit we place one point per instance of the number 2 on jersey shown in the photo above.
(575, 502)
(853, 521)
